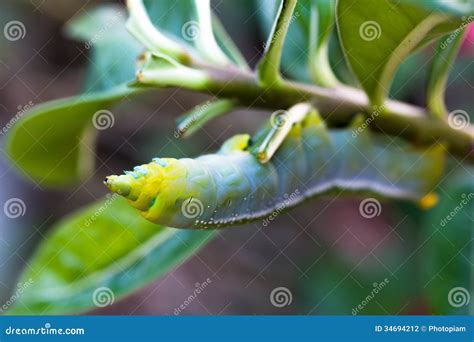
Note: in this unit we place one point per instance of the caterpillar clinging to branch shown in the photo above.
(283, 166)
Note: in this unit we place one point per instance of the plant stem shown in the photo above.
(338, 107)
(269, 66)
(140, 26)
(205, 40)
(442, 62)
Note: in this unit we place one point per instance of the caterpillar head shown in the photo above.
(142, 185)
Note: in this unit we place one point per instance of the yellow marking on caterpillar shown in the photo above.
(428, 201)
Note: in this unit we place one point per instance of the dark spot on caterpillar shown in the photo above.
(152, 202)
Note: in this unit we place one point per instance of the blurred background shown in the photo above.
(325, 253)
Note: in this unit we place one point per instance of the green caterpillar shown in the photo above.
(234, 186)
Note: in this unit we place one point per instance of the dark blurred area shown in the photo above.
(325, 252)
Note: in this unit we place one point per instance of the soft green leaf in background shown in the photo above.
(296, 49)
(113, 50)
(378, 35)
(105, 247)
(443, 60)
(448, 247)
(457, 7)
(306, 50)
(52, 143)
(177, 18)
(173, 17)
(322, 24)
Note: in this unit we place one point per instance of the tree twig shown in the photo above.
(337, 105)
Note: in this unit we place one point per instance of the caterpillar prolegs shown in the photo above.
(237, 185)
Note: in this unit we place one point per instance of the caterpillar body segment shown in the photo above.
(234, 186)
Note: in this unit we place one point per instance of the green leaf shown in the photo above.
(178, 19)
(192, 121)
(322, 25)
(445, 55)
(296, 49)
(52, 143)
(448, 247)
(114, 50)
(457, 7)
(105, 249)
(378, 35)
(171, 16)
(228, 45)
(268, 68)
